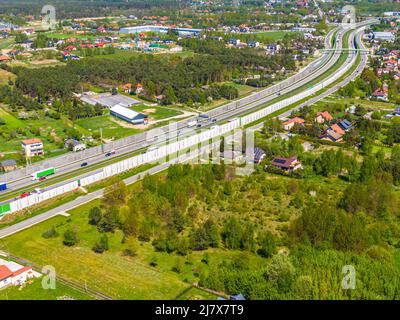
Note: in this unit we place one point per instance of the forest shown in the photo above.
(177, 79)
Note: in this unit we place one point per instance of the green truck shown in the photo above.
(4, 208)
(43, 173)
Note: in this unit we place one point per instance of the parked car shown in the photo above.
(25, 194)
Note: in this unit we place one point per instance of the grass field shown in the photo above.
(160, 112)
(5, 76)
(377, 105)
(111, 273)
(34, 291)
(110, 128)
(132, 277)
(62, 36)
(45, 124)
(272, 36)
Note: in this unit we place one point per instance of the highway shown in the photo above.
(309, 73)
(72, 161)
(91, 196)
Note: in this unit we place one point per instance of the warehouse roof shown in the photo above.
(125, 112)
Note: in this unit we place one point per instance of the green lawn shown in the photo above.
(110, 128)
(35, 291)
(46, 125)
(111, 273)
(62, 36)
(272, 36)
(160, 112)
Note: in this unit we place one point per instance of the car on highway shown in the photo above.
(84, 164)
(111, 153)
(42, 178)
(214, 120)
(198, 125)
(23, 195)
(36, 190)
(192, 123)
(152, 148)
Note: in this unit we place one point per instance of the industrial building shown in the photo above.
(385, 36)
(108, 100)
(128, 115)
(160, 29)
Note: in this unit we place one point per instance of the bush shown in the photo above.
(51, 233)
(70, 238)
(102, 245)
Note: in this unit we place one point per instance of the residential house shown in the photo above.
(32, 147)
(8, 165)
(253, 44)
(332, 135)
(272, 48)
(259, 155)
(139, 88)
(323, 116)
(234, 42)
(352, 109)
(127, 88)
(4, 58)
(338, 129)
(286, 164)
(10, 277)
(380, 95)
(74, 145)
(70, 48)
(288, 125)
(217, 38)
(307, 146)
(346, 125)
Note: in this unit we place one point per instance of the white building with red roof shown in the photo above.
(32, 147)
(289, 124)
(14, 274)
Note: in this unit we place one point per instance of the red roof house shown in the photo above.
(287, 125)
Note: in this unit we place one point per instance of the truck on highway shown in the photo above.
(43, 173)
(3, 186)
(192, 124)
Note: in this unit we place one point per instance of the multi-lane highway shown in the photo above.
(354, 39)
(306, 76)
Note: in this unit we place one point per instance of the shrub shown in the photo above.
(51, 233)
